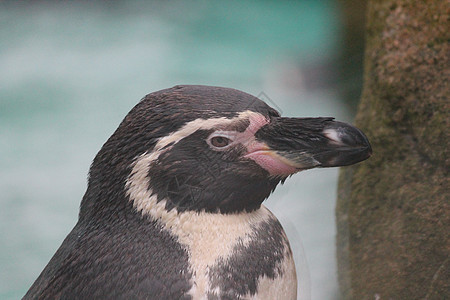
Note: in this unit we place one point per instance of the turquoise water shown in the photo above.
(70, 72)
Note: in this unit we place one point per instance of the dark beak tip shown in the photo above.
(366, 145)
(354, 146)
(363, 149)
(369, 151)
(354, 137)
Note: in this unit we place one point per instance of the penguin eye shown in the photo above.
(220, 141)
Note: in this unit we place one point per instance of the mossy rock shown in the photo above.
(393, 211)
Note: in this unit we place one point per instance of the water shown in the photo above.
(70, 72)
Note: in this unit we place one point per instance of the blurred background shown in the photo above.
(70, 72)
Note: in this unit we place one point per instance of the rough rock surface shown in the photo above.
(393, 211)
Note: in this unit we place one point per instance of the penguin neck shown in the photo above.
(189, 223)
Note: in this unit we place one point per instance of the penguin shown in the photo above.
(173, 207)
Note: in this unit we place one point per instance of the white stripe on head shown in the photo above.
(257, 120)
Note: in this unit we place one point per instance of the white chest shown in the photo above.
(237, 256)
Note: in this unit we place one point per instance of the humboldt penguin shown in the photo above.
(173, 207)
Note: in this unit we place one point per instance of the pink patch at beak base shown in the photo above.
(272, 162)
(261, 154)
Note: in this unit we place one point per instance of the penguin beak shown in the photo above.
(288, 145)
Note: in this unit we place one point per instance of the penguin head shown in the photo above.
(218, 150)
